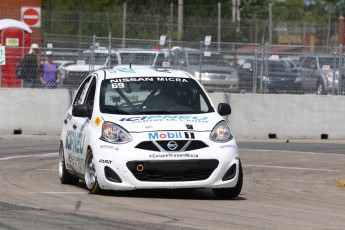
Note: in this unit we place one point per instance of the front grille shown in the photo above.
(162, 146)
(171, 171)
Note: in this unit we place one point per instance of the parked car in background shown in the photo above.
(100, 58)
(273, 75)
(88, 61)
(144, 57)
(319, 73)
(210, 68)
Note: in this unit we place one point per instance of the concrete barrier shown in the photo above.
(40, 111)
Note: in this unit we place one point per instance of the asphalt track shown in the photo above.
(287, 185)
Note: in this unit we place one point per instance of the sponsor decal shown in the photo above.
(117, 85)
(139, 119)
(174, 155)
(170, 135)
(105, 161)
(189, 135)
(150, 79)
(75, 161)
(172, 79)
(126, 70)
(75, 141)
(109, 147)
(228, 146)
(98, 121)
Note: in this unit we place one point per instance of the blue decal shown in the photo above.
(75, 141)
(165, 135)
(126, 70)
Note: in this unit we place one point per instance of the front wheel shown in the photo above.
(91, 175)
(230, 193)
(64, 176)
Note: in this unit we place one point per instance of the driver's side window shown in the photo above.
(81, 92)
(90, 98)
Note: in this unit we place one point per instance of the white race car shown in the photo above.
(148, 128)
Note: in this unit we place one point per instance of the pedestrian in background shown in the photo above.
(49, 73)
(30, 67)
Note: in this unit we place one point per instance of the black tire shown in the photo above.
(91, 175)
(64, 176)
(230, 193)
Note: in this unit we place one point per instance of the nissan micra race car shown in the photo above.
(148, 128)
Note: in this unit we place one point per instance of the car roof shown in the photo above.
(120, 72)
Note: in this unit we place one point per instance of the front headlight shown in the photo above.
(328, 76)
(114, 133)
(221, 132)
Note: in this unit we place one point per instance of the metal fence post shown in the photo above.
(200, 61)
(170, 22)
(124, 24)
(219, 23)
(109, 49)
(334, 66)
(341, 63)
(91, 66)
(255, 71)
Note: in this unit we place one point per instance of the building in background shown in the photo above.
(27, 11)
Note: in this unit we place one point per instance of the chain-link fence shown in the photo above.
(275, 55)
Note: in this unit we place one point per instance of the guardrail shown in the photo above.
(40, 111)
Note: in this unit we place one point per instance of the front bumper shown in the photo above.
(125, 167)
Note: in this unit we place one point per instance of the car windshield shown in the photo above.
(153, 95)
(327, 61)
(273, 65)
(137, 58)
(207, 59)
(278, 66)
(98, 58)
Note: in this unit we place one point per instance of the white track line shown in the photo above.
(24, 156)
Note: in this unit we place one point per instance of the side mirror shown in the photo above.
(224, 109)
(80, 111)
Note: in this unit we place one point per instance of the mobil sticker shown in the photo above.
(171, 135)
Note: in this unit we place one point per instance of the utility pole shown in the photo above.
(180, 20)
(236, 12)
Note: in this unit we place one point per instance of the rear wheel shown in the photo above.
(91, 175)
(229, 193)
(64, 176)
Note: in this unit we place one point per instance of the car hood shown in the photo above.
(173, 122)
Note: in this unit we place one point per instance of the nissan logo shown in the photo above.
(172, 145)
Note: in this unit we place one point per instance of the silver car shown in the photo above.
(210, 68)
(319, 73)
